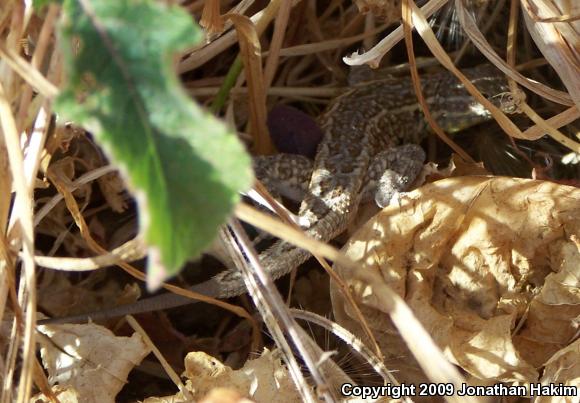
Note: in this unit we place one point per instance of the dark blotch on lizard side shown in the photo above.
(293, 131)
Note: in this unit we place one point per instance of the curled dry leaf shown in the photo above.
(90, 359)
(489, 266)
(64, 395)
(112, 188)
(563, 368)
(224, 395)
(264, 379)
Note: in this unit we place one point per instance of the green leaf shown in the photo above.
(40, 4)
(185, 167)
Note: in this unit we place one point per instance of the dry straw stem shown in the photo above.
(272, 309)
(552, 27)
(210, 18)
(430, 357)
(313, 25)
(149, 343)
(374, 56)
(545, 128)
(21, 232)
(290, 223)
(23, 174)
(280, 27)
(250, 52)
(522, 105)
(422, 26)
(321, 46)
(31, 163)
(39, 54)
(489, 23)
(41, 381)
(331, 370)
(407, 28)
(27, 72)
(557, 121)
(76, 184)
(130, 251)
(201, 56)
(506, 124)
(475, 35)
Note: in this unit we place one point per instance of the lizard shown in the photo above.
(371, 135)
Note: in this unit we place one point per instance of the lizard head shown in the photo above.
(458, 110)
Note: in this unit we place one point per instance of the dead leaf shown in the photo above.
(64, 395)
(488, 265)
(224, 395)
(264, 379)
(90, 359)
(562, 368)
(112, 188)
(58, 297)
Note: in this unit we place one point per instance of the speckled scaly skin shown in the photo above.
(358, 126)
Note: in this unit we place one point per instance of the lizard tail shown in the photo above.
(278, 260)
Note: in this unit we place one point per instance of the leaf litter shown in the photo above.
(509, 314)
(490, 267)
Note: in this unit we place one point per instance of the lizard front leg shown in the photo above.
(284, 174)
(392, 171)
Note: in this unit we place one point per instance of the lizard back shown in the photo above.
(375, 116)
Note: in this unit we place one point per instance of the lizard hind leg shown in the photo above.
(392, 171)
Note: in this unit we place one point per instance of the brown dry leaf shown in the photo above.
(90, 359)
(64, 395)
(112, 187)
(549, 325)
(58, 297)
(217, 395)
(563, 367)
(224, 395)
(460, 167)
(60, 140)
(475, 257)
(264, 379)
(457, 166)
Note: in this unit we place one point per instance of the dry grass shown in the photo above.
(291, 52)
